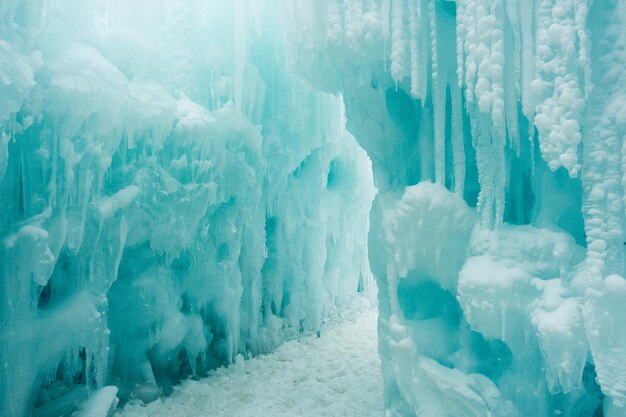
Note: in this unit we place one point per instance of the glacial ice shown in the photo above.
(185, 182)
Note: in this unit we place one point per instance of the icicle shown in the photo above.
(461, 35)
(512, 122)
(603, 205)
(469, 46)
(584, 59)
(604, 157)
(513, 14)
(481, 42)
(413, 34)
(512, 76)
(4, 152)
(499, 177)
(557, 91)
(433, 40)
(498, 135)
(439, 100)
(482, 144)
(423, 49)
(527, 33)
(511, 97)
(458, 149)
(397, 40)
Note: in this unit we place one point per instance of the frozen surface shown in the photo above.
(496, 131)
(186, 181)
(335, 374)
(172, 197)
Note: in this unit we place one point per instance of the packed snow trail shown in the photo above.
(336, 374)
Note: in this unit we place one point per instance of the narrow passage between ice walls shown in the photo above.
(176, 195)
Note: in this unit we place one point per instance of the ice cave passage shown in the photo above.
(401, 208)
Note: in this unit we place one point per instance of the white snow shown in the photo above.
(336, 374)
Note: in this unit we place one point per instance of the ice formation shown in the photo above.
(496, 132)
(175, 195)
(172, 197)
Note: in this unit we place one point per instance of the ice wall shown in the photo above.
(171, 197)
(496, 132)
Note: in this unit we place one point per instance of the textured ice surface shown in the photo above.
(172, 197)
(496, 132)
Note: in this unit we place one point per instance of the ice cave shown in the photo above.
(307, 208)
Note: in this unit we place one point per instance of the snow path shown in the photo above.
(335, 375)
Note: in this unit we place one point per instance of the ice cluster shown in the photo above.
(496, 130)
(172, 197)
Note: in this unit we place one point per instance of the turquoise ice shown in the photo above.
(187, 181)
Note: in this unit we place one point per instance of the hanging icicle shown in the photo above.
(397, 40)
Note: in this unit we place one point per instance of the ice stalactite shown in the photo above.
(439, 98)
(414, 12)
(397, 40)
(603, 174)
(481, 33)
(457, 132)
(603, 171)
(558, 91)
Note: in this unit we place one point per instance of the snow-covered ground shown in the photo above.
(335, 375)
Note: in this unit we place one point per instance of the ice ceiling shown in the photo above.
(184, 181)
